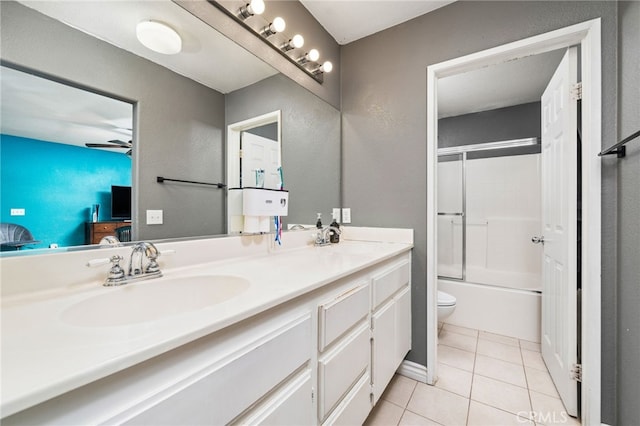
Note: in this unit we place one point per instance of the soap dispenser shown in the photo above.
(334, 236)
(319, 222)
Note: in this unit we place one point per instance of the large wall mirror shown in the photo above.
(180, 107)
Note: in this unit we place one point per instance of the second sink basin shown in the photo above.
(154, 299)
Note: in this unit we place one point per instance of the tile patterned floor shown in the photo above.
(484, 379)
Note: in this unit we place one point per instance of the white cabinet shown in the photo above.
(290, 406)
(340, 369)
(390, 323)
(225, 389)
(341, 313)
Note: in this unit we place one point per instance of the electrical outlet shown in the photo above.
(17, 212)
(346, 215)
(154, 217)
(336, 214)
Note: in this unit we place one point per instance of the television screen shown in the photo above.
(121, 202)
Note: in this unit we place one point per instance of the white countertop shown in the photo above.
(43, 357)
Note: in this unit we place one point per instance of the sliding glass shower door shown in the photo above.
(451, 217)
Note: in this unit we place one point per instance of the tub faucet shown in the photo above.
(323, 235)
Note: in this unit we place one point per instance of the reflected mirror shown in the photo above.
(182, 106)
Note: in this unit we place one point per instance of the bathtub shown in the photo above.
(514, 312)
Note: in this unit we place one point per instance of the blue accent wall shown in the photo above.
(57, 184)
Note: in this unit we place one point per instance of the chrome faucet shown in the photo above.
(323, 236)
(137, 270)
(139, 251)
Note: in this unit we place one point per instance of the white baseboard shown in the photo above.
(413, 370)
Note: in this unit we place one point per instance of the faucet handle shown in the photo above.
(116, 272)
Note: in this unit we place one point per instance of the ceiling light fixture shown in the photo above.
(296, 42)
(255, 7)
(277, 26)
(311, 56)
(159, 37)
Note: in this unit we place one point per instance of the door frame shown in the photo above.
(233, 149)
(588, 36)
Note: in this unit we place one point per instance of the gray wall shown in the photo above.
(179, 122)
(628, 285)
(310, 143)
(502, 124)
(384, 130)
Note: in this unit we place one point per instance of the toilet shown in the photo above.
(446, 305)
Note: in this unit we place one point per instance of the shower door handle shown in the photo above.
(538, 240)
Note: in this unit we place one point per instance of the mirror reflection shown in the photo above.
(179, 118)
(65, 166)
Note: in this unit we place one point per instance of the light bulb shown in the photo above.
(297, 41)
(159, 37)
(327, 66)
(278, 25)
(256, 7)
(313, 55)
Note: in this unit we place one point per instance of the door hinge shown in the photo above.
(576, 91)
(576, 372)
(240, 153)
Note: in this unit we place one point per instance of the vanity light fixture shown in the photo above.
(311, 56)
(296, 42)
(254, 7)
(282, 43)
(327, 66)
(159, 37)
(277, 26)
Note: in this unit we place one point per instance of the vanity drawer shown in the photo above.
(387, 282)
(226, 389)
(339, 315)
(355, 407)
(340, 368)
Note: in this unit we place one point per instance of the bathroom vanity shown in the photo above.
(238, 330)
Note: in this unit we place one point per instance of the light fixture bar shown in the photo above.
(319, 77)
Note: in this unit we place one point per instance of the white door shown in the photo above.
(559, 218)
(260, 153)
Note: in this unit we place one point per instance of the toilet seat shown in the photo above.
(445, 299)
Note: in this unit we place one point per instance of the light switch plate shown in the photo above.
(154, 217)
(346, 215)
(336, 214)
(17, 212)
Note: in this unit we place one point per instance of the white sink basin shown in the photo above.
(153, 299)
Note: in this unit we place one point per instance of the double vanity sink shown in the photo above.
(57, 340)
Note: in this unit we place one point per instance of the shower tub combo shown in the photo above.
(489, 207)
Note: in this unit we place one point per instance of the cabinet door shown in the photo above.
(384, 356)
(403, 324)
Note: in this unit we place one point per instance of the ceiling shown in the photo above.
(350, 20)
(41, 109)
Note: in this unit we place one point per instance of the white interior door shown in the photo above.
(559, 218)
(260, 153)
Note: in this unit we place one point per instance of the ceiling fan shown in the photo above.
(113, 144)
